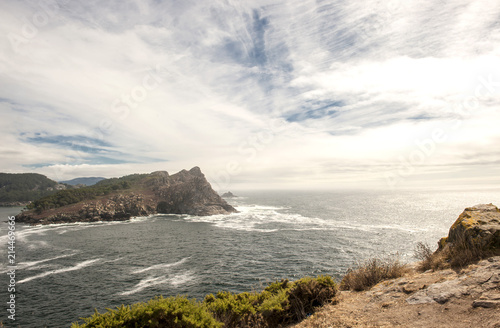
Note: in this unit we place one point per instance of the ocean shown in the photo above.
(67, 271)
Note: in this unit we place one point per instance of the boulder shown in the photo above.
(478, 226)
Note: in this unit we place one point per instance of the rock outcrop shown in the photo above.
(476, 226)
(228, 195)
(186, 192)
(480, 282)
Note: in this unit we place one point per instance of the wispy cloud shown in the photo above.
(288, 93)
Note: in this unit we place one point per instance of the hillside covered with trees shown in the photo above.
(25, 187)
(73, 196)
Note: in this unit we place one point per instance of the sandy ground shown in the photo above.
(386, 305)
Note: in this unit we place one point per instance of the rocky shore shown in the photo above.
(186, 192)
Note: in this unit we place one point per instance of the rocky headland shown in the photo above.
(186, 192)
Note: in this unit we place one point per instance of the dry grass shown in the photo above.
(429, 260)
(458, 254)
(464, 252)
(371, 273)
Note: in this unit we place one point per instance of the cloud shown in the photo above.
(293, 93)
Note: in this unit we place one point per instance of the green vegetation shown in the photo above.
(24, 187)
(279, 304)
(174, 312)
(371, 273)
(72, 196)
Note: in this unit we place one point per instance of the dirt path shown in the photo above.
(469, 298)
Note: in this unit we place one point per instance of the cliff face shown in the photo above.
(186, 192)
(478, 225)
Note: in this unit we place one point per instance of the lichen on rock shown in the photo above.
(478, 226)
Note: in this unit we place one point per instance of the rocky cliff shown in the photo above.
(186, 192)
(477, 226)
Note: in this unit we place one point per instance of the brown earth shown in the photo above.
(447, 298)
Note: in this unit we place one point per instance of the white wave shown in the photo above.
(161, 266)
(114, 260)
(181, 278)
(145, 283)
(48, 273)
(24, 265)
(255, 208)
(269, 219)
(153, 281)
(140, 218)
(38, 267)
(260, 219)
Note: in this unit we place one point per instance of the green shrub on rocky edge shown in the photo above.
(174, 312)
(279, 304)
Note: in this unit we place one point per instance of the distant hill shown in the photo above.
(21, 188)
(84, 181)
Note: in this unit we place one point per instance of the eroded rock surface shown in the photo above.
(481, 282)
(478, 225)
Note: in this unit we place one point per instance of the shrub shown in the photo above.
(308, 294)
(234, 310)
(172, 312)
(429, 260)
(371, 273)
(281, 303)
(456, 254)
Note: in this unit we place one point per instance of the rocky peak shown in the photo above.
(196, 170)
(162, 174)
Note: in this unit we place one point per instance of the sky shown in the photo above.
(294, 94)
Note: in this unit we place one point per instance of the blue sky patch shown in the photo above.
(316, 113)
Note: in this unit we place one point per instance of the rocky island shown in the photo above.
(118, 199)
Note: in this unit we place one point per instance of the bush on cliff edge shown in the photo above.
(172, 312)
(281, 303)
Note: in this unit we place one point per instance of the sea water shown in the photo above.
(66, 271)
